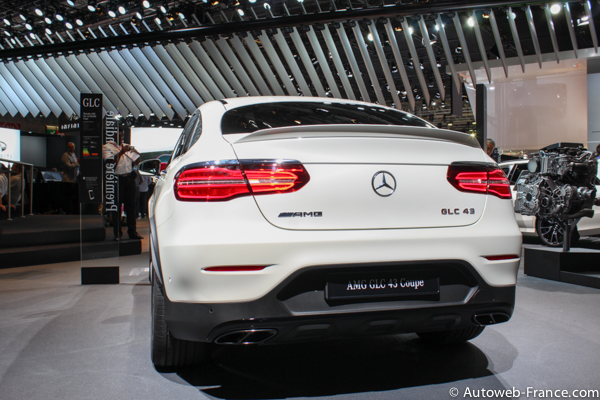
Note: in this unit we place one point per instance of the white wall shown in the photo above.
(537, 108)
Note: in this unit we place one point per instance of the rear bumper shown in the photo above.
(296, 310)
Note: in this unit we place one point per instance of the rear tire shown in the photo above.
(452, 336)
(167, 351)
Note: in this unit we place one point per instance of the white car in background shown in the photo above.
(549, 232)
(284, 219)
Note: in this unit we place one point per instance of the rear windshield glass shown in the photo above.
(254, 117)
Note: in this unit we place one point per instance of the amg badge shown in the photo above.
(300, 214)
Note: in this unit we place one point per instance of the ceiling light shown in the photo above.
(139, 16)
(28, 26)
(471, 21)
(6, 22)
(48, 20)
(252, 1)
(39, 12)
(59, 17)
(158, 21)
(146, 4)
(122, 10)
(163, 9)
(91, 8)
(370, 37)
(410, 30)
(79, 22)
(267, 6)
(23, 17)
(48, 31)
(555, 8)
(112, 14)
(71, 3)
(32, 35)
(181, 16)
(7, 33)
(241, 12)
(69, 25)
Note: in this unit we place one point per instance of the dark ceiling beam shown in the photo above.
(258, 25)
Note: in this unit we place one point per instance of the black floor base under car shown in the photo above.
(449, 295)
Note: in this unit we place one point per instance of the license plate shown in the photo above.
(403, 285)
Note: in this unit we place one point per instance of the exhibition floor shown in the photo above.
(62, 340)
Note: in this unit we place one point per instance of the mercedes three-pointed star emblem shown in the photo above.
(384, 183)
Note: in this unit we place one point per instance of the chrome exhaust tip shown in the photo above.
(490, 318)
(246, 336)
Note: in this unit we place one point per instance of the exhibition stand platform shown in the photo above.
(47, 239)
(579, 266)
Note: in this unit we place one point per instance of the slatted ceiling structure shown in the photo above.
(311, 48)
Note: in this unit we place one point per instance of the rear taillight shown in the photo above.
(226, 181)
(479, 179)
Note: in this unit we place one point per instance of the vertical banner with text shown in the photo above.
(90, 188)
(111, 144)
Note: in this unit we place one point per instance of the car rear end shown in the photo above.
(313, 232)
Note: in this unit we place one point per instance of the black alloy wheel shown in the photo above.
(551, 232)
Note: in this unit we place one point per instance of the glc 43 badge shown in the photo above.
(457, 211)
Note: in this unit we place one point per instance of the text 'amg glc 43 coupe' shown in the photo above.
(283, 219)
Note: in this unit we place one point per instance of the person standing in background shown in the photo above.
(125, 157)
(492, 151)
(70, 163)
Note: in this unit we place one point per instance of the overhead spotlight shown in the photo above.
(32, 35)
(49, 31)
(6, 22)
(555, 8)
(79, 22)
(181, 16)
(241, 12)
(39, 12)
(158, 21)
(583, 21)
(471, 21)
(28, 26)
(71, 3)
(24, 18)
(370, 37)
(300, 1)
(146, 4)
(252, 1)
(69, 25)
(112, 14)
(267, 6)
(139, 16)
(7, 33)
(410, 30)
(163, 9)
(48, 20)
(91, 8)
(59, 17)
(122, 10)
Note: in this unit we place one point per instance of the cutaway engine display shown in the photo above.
(560, 183)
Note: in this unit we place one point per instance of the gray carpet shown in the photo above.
(61, 340)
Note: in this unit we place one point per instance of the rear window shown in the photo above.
(254, 117)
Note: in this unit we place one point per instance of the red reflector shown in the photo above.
(479, 179)
(236, 268)
(502, 257)
(222, 182)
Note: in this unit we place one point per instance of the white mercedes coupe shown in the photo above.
(283, 219)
